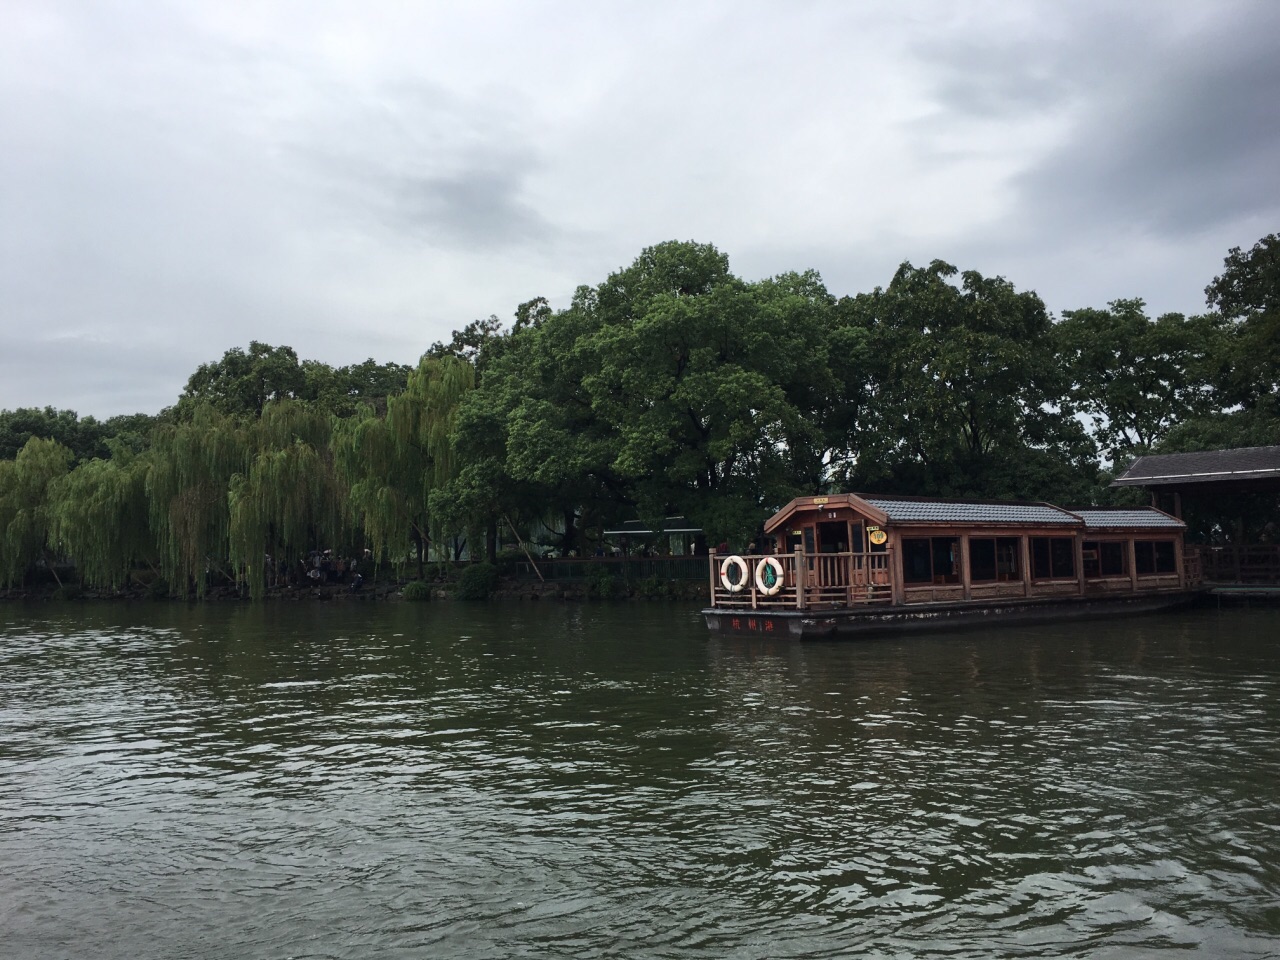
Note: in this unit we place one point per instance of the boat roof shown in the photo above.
(926, 511)
(1128, 518)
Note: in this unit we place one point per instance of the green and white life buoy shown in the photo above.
(733, 562)
(769, 576)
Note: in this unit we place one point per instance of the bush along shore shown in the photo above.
(469, 583)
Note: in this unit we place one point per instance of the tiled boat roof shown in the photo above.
(1206, 466)
(1101, 518)
(962, 511)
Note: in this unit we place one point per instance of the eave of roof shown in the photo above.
(1203, 466)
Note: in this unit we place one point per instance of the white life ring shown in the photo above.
(769, 563)
(734, 561)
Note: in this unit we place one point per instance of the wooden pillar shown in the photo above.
(895, 571)
(966, 576)
(802, 577)
(1024, 563)
(1182, 566)
(715, 574)
(1133, 566)
(1080, 564)
(1177, 504)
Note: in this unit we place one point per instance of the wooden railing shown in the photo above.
(1256, 563)
(563, 569)
(821, 580)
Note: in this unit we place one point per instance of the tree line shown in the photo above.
(673, 387)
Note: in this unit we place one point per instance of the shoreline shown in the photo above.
(381, 592)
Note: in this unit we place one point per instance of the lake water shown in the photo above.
(589, 781)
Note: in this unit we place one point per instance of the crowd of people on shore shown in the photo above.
(319, 568)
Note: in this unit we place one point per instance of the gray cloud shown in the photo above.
(1189, 143)
(182, 178)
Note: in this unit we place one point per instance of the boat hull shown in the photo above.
(911, 618)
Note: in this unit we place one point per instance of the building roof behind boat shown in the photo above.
(1205, 466)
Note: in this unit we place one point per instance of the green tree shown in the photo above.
(26, 501)
(85, 437)
(1248, 293)
(392, 465)
(243, 383)
(344, 390)
(672, 387)
(1136, 378)
(965, 396)
(193, 463)
(290, 498)
(100, 518)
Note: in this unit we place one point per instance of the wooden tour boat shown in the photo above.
(850, 564)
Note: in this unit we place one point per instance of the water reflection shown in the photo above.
(580, 781)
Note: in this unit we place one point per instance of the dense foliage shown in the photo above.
(673, 387)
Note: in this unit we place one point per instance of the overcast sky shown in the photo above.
(359, 179)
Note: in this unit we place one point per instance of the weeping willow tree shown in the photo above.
(187, 486)
(100, 517)
(25, 500)
(290, 498)
(393, 465)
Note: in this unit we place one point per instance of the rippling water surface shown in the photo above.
(531, 780)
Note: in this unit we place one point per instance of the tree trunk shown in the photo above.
(570, 540)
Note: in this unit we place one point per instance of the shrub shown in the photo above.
(416, 591)
(158, 589)
(68, 591)
(476, 582)
(602, 584)
(654, 588)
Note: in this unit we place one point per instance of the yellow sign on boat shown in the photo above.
(878, 537)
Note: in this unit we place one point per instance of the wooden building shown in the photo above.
(1232, 498)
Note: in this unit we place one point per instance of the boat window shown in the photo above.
(931, 560)
(857, 537)
(1105, 558)
(993, 559)
(1053, 558)
(946, 559)
(917, 566)
(982, 559)
(1007, 564)
(833, 537)
(1154, 557)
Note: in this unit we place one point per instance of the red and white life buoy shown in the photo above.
(769, 576)
(734, 561)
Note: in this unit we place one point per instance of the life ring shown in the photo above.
(769, 576)
(734, 561)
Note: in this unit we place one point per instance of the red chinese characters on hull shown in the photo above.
(751, 624)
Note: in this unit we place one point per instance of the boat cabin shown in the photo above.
(851, 550)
